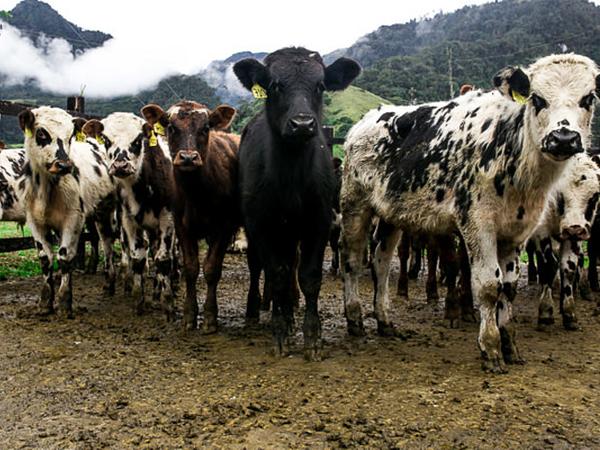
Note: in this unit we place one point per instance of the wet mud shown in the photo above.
(109, 378)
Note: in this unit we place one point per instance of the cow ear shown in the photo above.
(513, 83)
(221, 117)
(341, 73)
(26, 120)
(147, 129)
(598, 85)
(250, 72)
(92, 128)
(337, 162)
(154, 114)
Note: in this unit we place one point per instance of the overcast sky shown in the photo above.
(154, 38)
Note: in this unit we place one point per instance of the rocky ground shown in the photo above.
(110, 379)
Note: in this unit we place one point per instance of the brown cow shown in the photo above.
(205, 167)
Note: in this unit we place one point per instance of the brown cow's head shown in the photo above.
(187, 126)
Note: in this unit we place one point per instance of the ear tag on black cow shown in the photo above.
(520, 99)
(159, 129)
(28, 132)
(258, 91)
(152, 140)
(79, 136)
(100, 140)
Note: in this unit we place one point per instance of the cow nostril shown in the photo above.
(302, 123)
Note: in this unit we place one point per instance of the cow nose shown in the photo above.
(575, 232)
(564, 142)
(302, 124)
(188, 158)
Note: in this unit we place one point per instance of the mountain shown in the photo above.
(219, 75)
(35, 19)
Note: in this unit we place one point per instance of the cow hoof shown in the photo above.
(492, 365)
(281, 347)
(109, 289)
(386, 329)
(189, 325)
(265, 306)
(452, 323)
(585, 293)
(542, 321)
(313, 351)
(570, 323)
(252, 321)
(356, 328)
(468, 316)
(65, 313)
(209, 327)
(45, 310)
(515, 360)
(432, 297)
(403, 294)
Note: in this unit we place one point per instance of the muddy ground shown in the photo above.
(110, 379)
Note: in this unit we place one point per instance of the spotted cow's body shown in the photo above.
(65, 182)
(482, 164)
(12, 185)
(566, 223)
(144, 174)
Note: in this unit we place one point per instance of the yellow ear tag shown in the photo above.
(80, 136)
(100, 140)
(28, 132)
(159, 129)
(152, 140)
(521, 100)
(258, 91)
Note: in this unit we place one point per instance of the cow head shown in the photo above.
(123, 135)
(187, 126)
(293, 80)
(578, 199)
(48, 135)
(559, 93)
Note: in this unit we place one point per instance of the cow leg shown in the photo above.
(584, 285)
(126, 270)
(163, 259)
(569, 272)
(138, 251)
(486, 284)
(279, 259)
(107, 232)
(448, 259)
(253, 305)
(334, 243)
(191, 268)
(509, 262)
(213, 267)
(467, 311)
(415, 259)
(532, 275)
(43, 243)
(67, 252)
(92, 263)
(593, 247)
(387, 238)
(295, 286)
(547, 268)
(356, 224)
(403, 254)
(431, 287)
(310, 277)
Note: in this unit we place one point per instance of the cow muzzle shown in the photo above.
(121, 169)
(562, 144)
(575, 233)
(303, 126)
(60, 167)
(187, 160)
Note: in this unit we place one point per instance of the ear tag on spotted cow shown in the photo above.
(158, 129)
(258, 91)
(100, 140)
(152, 140)
(79, 136)
(28, 132)
(520, 99)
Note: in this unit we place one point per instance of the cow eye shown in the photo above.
(538, 102)
(40, 134)
(320, 87)
(206, 128)
(170, 129)
(587, 101)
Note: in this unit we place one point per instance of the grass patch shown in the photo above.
(13, 229)
(21, 264)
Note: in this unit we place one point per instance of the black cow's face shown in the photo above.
(187, 126)
(294, 80)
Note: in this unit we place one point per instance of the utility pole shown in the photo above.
(450, 75)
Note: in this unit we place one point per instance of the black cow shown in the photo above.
(287, 183)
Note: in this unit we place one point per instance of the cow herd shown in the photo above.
(475, 178)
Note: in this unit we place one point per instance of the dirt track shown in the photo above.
(109, 379)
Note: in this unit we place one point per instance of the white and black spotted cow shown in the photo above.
(567, 221)
(146, 192)
(483, 164)
(12, 185)
(65, 182)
